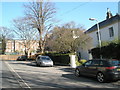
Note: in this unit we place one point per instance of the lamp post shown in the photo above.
(98, 33)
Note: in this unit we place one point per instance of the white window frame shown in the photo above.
(111, 32)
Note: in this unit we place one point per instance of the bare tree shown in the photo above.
(40, 14)
(5, 33)
(25, 33)
(68, 38)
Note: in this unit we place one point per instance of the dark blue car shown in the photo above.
(103, 70)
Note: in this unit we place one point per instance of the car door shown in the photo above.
(85, 68)
(93, 68)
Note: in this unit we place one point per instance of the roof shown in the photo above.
(104, 23)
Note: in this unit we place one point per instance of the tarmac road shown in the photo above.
(8, 80)
(25, 74)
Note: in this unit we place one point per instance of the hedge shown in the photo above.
(59, 58)
(112, 51)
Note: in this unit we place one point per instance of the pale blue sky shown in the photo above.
(79, 12)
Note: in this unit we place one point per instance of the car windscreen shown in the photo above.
(45, 58)
(115, 63)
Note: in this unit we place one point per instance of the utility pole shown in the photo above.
(98, 33)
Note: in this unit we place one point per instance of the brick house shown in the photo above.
(19, 46)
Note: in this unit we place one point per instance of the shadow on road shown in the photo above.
(32, 64)
(82, 78)
(8, 79)
(67, 69)
(39, 78)
(29, 63)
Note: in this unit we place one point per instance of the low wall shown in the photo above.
(9, 57)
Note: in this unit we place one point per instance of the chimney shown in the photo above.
(109, 14)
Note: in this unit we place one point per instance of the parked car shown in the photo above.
(44, 61)
(22, 58)
(103, 70)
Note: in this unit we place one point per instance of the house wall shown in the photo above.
(105, 34)
(93, 35)
(119, 30)
(84, 53)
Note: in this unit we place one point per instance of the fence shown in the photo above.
(9, 57)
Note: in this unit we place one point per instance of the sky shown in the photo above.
(79, 12)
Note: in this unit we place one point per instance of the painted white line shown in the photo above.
(18, 75)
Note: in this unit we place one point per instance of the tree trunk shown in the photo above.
(41, 41)
(3, 45)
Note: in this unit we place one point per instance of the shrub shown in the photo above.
(112, 51)
(80, 62)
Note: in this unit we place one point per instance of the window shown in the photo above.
(95, 63)
(45, 58)
(111, 31)
(115, 63)
(103, 63)
(88, 63)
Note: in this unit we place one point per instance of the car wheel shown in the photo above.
(77, 72)
(100, 77)
(37, 64)
(40, 64)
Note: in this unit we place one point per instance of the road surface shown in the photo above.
(25, 74)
